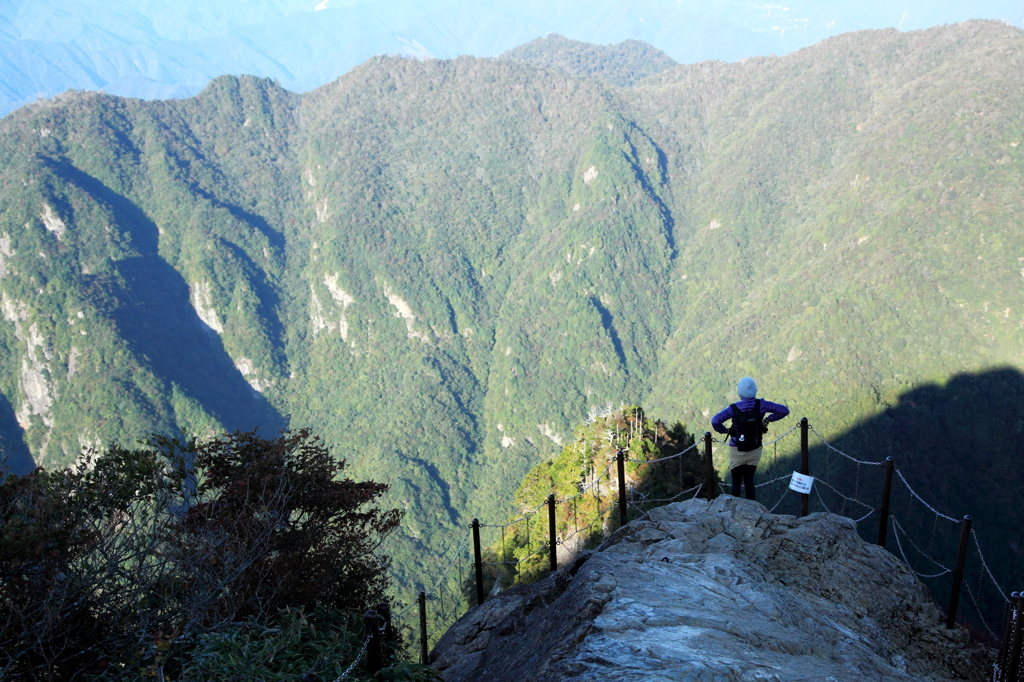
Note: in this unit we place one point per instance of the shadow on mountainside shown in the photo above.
(960, 446)
(14, 453)
(156, 317)
(160, 324)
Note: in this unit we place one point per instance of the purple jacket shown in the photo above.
(775, 412)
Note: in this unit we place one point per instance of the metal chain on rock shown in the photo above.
(359, 657)
(899, 529)
(645, 500)
(818, 493)
(525, 515)
(871, 510)
(856, 488)
(774, 480)
(921, 499)
(784, 493)
(662, 459)
(596, 482)
(977, 608)
(443, 624)
(864, 517)
(935, 527)
(985, 566)
(848, 499)
(594, 487)
(843, 513)
(575, 519)
(541, 549)
(458, 554)
(840, 452)
(782, 436)
(599, 517)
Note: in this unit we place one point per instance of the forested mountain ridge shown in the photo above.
(138, 48)
(855, 211)
(622, 65)
(443, 266)
(133, 219)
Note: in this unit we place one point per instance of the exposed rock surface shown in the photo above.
(717, 591)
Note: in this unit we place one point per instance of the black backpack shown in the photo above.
(747, 427)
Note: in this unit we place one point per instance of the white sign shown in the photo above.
(800, 483)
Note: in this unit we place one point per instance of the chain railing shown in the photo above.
(912, 553)
(920, 556)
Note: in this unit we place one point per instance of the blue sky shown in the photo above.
(163, 48)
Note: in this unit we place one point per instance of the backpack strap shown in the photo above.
(732, 427)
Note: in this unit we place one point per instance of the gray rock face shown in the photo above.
(717, 591)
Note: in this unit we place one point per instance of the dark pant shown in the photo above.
(744, 474)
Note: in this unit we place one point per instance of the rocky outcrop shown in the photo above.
(717, 591)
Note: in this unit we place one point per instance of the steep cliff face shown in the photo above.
(717, 591)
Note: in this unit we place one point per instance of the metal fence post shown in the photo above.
(1013, 664)
(958, 572)
(709, 468)
(883, 512)
(553, 548)
(1004, 644)
(386, 628)
(621, 458)
(424, 655)
(373, 653)
(478, 563)
(805, 467)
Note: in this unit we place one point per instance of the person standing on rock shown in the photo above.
(750, 417)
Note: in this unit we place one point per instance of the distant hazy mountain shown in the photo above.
(444, 266)
(152, 49)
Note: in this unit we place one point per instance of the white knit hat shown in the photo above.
(746, 388)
